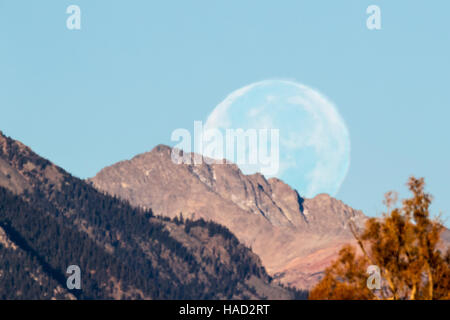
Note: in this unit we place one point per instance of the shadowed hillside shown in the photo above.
(50, 220)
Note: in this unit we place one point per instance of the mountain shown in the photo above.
(50, 220)
(295, 238)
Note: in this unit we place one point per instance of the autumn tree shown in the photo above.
(405, 245)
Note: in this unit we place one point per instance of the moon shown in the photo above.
(314, 141)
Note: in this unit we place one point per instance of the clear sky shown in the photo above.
(137, 70)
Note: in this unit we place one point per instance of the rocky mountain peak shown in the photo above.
(266, 214)
(125, 252)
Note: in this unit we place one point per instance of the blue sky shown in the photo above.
(137, 70)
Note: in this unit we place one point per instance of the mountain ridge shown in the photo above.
(265, 214)
(50, 219)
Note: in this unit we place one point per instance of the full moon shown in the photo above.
(314, 142)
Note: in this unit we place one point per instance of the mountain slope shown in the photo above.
(50, 220)
(295, 237)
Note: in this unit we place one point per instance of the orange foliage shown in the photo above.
(404, 245)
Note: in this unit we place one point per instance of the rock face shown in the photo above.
(295, 238)
(50, 220)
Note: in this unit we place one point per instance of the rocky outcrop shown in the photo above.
(50, 220)
(295, 237)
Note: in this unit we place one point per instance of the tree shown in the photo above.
(404, 244)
